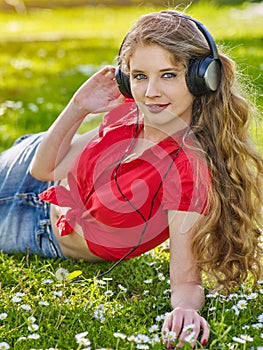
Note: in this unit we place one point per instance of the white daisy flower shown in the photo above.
(26, 307)
(252, 296)
(155, 339)
(33, 336)
(3, 316)
(16, 299)
(190, 338)
(83, 341)
(142, 338)
(258, 325)
(33, 327)
(119, 335)
(160, 318)
(236, 309)
(81, 335)
(189, 327)
(165, 332)
(131, 338)
(154, 328)
(242, 304)
(148, 281)
(123, 289)
(239, 340)
(246, 337)
(161, 276)
(109, 293)
(167, 291)
(47, 281)
(31, 319)
(171, 336)
(101, 283)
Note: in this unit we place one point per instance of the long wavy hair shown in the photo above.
(226, 246)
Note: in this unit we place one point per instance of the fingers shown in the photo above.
(107, 79)
(108, 71)
(190, 331)
(206, 332)
(184, 326)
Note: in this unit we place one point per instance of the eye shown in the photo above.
(169, 75)
(139, 76)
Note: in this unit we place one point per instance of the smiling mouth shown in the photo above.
(156, 108)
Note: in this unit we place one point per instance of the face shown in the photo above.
(159, 88)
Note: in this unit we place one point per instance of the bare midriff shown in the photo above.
(73, 245)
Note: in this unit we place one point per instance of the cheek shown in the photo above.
(138, 90)
(184, 94)
(183, 99)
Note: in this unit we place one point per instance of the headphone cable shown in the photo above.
(146, 221)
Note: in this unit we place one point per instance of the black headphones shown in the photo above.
(203, 75)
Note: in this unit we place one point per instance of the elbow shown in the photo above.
(36, 172)
(33, 171)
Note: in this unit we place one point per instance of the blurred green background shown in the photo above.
(6, 4)
(49, 48)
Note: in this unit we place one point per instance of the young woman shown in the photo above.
(172, 159)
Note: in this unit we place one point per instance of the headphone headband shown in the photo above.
(210, 41)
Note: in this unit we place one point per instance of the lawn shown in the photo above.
(44, 56)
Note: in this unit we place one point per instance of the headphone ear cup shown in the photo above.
(123, 82)
(203, 76)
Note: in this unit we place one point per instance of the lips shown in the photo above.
(156, 108)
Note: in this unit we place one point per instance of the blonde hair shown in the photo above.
(227, 244)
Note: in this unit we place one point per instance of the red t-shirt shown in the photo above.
(112, 198)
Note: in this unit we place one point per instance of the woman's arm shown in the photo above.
(187, 295)
(59, 148)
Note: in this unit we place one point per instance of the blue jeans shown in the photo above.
(24, 219)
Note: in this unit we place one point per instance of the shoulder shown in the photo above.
(188, 182)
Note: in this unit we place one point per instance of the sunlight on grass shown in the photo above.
(82, 23)
(225, 22)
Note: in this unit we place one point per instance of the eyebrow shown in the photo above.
(161, 70)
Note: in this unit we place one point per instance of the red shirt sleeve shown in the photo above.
(187, 186)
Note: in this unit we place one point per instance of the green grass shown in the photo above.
(44, 56)
(116, 304)
(113, 304)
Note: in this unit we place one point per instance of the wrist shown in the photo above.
(78, 109)
(188, 296)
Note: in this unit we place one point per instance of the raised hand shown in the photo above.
(99, 93)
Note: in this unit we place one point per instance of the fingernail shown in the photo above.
(204, 342)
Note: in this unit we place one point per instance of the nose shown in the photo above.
(152, 89)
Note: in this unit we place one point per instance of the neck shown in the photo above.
(156, 135)
(161, 128)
